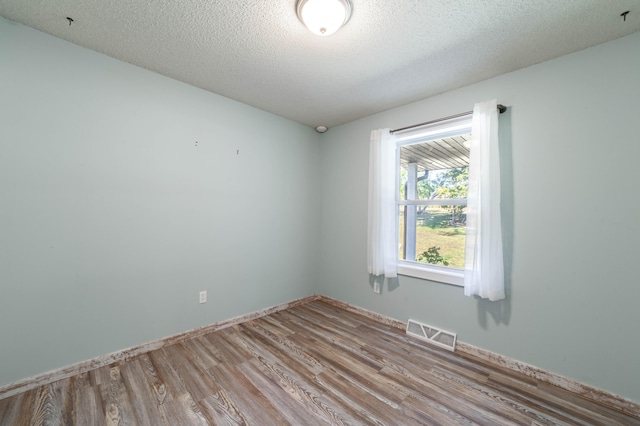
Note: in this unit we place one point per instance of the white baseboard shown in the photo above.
(586, 391)
(464, 349)
(127, 354)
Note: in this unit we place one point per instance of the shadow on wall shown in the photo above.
(500, 311)
(392, 283)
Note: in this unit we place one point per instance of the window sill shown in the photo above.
(432, 273)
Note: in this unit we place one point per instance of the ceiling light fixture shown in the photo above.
(323, 17)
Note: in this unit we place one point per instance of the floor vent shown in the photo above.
(433, 335)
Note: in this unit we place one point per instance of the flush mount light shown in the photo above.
(323, 17)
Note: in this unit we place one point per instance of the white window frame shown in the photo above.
(449, 128)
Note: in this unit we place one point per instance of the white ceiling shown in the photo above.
(390, 53)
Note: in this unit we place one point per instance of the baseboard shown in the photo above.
(464, 349)
(586, 391)
(127, 354)
(391, 322)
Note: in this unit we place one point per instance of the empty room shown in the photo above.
(319, 212)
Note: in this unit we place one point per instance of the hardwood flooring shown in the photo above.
(311, 364)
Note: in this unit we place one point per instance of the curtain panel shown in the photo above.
(382, 249)
(483, 267)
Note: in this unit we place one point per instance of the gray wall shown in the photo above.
(112, 219)
(570, 149)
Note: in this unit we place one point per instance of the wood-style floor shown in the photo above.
(311, 364)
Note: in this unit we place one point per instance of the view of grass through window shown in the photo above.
(433, 232)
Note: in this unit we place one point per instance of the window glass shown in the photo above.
(432, 190)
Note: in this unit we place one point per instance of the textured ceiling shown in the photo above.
(390, 53)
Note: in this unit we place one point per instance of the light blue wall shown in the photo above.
(570, 150)
(112, 219)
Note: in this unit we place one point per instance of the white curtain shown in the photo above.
(382, 248)
(483, 266)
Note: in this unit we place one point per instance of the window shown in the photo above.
(450, 181)
(432, 179)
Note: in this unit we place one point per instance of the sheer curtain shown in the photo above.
(483, 265)
(382, 248)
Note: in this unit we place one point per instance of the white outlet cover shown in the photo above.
(376, 287)
(203, 296)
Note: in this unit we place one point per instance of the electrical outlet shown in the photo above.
(376, 287)
(203, 296)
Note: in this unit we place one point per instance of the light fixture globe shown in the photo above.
(323, 17)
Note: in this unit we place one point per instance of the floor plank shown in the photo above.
(312, 364)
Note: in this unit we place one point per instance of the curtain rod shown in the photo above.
(501, 109)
